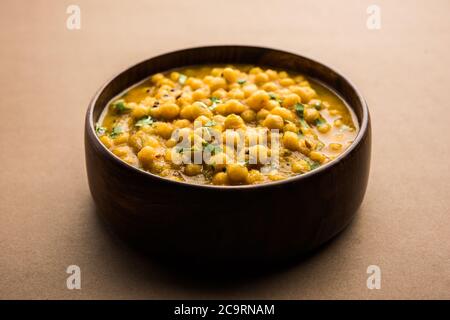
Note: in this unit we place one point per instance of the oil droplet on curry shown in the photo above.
(227, 125)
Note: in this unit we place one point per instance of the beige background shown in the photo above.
(48, 75)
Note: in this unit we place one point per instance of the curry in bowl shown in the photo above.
(227, 125)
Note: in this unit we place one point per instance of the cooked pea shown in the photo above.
(335, 146)
(107, 141)
(291, 127)
(311, 115)
(237, 173)
(306, 93)
(262, 114)
(220, 178)
(261, 78)
(147, 155)
(291, 141)
(121, 151)
(317, 156)
(139, 111)
(300, 166)
(254, 176)
(324, 127)
(233, 121)
(248, 115)
(231, 75)
(286, 82)
(121, 138)
(169, 110)
(273, 121)
(234, 106)
(257, 100)
(271, 104)
(163, 129)
(192, 169)
(286, 114)
(291, 100)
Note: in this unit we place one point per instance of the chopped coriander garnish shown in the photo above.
(299, 108)
(272, 96)
(304, 123)
(120, 106)
(116, 131)
(312, 164)
(182, 79)
(100, 130)
(212, 148)
(320, 145)
(241, 81)
(214, 101)
(320, 121)
(210, 123)
(147, 120)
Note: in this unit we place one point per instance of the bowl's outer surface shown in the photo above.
(247, 224)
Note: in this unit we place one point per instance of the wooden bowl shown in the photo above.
(246, 224)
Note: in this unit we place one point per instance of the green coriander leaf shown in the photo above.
(147, 120)
(299, 108)
(304, 123)
(182, 79)
(320, 121)
(214, 101)
(241, 81)
(210, 123)
(116, 131)
(212, 148)
(272, 96)
(320, 145)
(313, 164)
(120, 106)
(100, 130)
